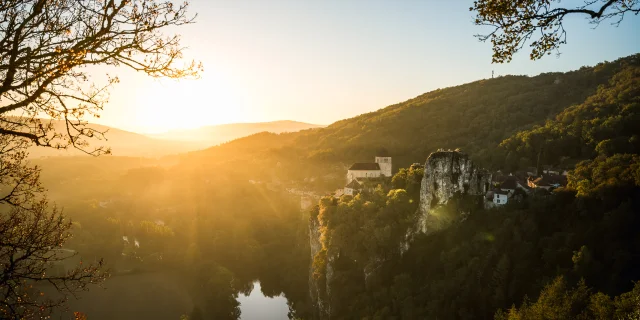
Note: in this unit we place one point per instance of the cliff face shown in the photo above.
(319, 292)
(450, 179)
(445, 174)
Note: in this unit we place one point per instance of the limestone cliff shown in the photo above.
(319, 290)
(445, 174)
(450, 179)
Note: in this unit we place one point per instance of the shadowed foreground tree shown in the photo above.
(31, 240)
(515, 22)
(47, 49)
(48, 52)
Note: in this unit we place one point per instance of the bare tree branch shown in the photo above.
(45, 47)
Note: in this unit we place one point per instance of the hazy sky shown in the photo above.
(322, 61)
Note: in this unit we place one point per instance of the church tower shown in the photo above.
(383, 159)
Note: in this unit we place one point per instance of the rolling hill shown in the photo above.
(217, 134)
(475, 117)
(122, 143)
(131, 144)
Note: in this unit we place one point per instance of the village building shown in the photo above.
(551, 170)
(381, 167)
(514, 182)
(352, 188)
(547, 181)
(506, 187)
(500, 197)
(509, 185)
(361, 170)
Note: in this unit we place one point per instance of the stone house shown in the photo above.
(381, 167)
(500, 197)
(352, 188)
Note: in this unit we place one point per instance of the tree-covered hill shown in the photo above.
(605, 124)
(476, 117)
(569, 254)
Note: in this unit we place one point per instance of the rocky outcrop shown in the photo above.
(450, 178)
(447, 173)
(319, 290)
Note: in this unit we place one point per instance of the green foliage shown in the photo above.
(470, 266)
(476, 117)
(408, 179)
(538, 23)
(557, 301)
(599, 175)
(491, 260)
(605, 124)
(223, 213)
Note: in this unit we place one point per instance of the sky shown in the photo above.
(323, 61)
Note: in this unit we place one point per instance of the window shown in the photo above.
(498, 201)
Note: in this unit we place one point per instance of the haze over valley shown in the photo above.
(131, 144)
(458, 177)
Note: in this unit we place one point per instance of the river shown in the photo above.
(257, 306)
(159, 296)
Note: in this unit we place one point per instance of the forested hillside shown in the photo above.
(570, 254)
(225, 213)
(476, 117)
(604, 130)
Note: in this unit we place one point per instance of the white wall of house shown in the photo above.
(356, 174)
(385, 166)
(500, 199)
(348, 191)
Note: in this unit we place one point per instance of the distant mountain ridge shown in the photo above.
(121, 142)
(217, 134)
(131, 144)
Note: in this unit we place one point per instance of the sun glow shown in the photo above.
(163, 105)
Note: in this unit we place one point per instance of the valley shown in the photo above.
(265, 208)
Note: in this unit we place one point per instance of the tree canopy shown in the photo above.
(514, 23)
(48, 47)
(48, 52)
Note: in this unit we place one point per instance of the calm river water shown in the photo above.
(256, 306)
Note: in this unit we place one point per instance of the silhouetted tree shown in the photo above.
(516, 22)
(31, 236)
(46, 47)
